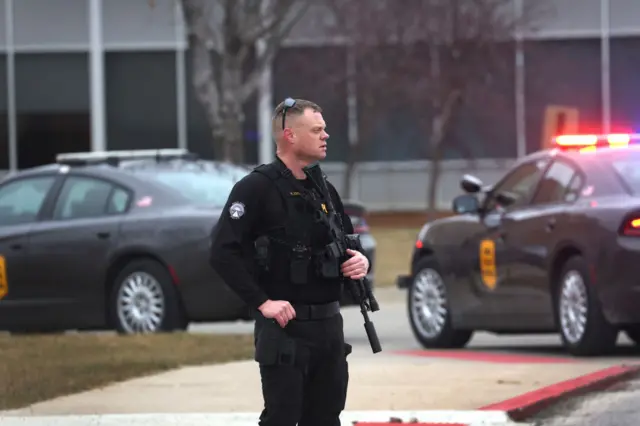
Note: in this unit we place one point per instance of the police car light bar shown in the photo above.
(110, 156)
(614, 140)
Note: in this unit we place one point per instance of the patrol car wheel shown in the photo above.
(583, 327)
(633, 333)
(429, 310)
(144, 300)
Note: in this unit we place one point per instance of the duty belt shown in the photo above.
(315, 312)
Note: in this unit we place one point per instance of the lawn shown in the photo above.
(393, 253)
(39, 367)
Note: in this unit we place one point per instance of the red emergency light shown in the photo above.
(590, 142)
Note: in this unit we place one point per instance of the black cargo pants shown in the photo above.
(304, 371)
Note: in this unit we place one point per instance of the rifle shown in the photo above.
(360, 289)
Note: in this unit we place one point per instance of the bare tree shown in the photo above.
(222, 36)
(429, 54)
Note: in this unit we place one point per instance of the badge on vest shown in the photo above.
(236, 211)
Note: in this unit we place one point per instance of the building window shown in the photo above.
(52, 102)
(58, 25)
(141, 100)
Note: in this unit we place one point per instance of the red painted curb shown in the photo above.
(483, 356)
(530, 403)
(413, 424)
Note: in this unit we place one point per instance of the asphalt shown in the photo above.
(616, 406)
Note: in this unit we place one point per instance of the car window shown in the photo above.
(119, 201)
(21, 200)
(561, 182)
(83, 197)
(520, 183)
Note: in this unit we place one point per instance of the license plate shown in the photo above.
(4, 285)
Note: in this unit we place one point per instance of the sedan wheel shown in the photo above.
(140, 303)
(573, 307)
(428, 309)
(583, 327)
(144, 300)
(429, 303)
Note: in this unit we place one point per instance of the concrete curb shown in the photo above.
(435, 417)
(527, 405)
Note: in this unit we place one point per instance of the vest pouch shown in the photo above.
(274, 346)
(300, 258)
(330, 261)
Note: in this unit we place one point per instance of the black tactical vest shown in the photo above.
(291, 252)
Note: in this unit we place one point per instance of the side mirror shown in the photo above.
(465, 204)
(471, 184)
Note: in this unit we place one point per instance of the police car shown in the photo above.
(553, 246)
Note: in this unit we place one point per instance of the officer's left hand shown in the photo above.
(356, 267)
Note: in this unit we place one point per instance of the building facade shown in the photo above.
(77, 75)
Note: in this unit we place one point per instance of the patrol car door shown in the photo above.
(491, 275)
(73, 249)
(21, 201)
(531, 233)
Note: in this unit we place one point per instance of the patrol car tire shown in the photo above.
(599, 337)
(173, 316)
(633, 333)
(448, 337)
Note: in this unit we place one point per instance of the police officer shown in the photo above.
(269, 247)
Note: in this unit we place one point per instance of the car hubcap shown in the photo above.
(428, 303)
(573, 307)
(140, 303)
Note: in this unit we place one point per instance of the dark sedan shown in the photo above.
(114, 242)
(554, 246)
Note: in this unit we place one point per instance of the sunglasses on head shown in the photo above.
(288, 103)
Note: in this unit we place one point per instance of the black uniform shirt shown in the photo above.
(255, 206)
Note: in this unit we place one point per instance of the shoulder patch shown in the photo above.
(236, 211)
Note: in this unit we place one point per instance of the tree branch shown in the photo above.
(272, 43)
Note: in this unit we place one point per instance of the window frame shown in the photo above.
(113, 184)
(578, 173)
(490, 197)
(46, 202)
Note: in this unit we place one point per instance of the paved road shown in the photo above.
(617, 406)
(395, 334)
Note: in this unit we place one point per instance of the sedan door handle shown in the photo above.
(16, 246)
(104, 235)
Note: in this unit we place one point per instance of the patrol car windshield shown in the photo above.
(626, 163)
(629, 172)
(200, 187)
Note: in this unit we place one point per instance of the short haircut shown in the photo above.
(298, 109)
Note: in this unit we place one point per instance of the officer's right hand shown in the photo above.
(280, 310)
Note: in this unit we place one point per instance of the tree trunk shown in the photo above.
(440, 127)
(231, 112)
(348, 174)
(434, 174)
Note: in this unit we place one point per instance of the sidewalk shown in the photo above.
(387, 382)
